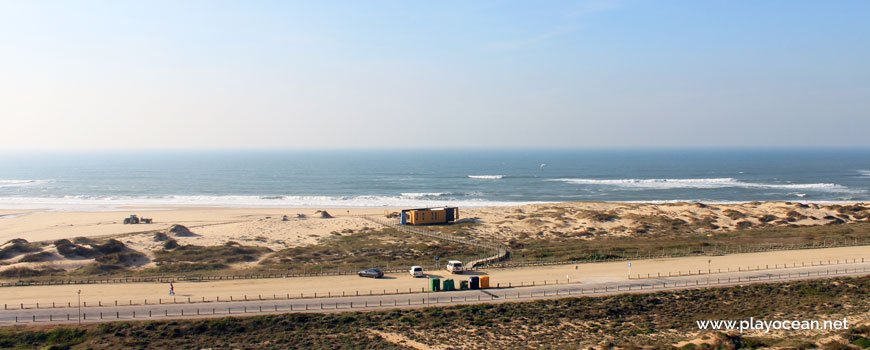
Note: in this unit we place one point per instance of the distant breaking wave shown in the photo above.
(665, 184)
(87, 203)
(22, 183)
(486, 177)
(865, 173)
(425, 194)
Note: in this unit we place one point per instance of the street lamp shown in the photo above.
(709, 270)
(80, 305)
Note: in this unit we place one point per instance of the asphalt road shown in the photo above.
(91, 314)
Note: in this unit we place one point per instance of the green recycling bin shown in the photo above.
(448, 285)
(435, 284)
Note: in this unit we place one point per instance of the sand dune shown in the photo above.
(281, 228)
(590, 219)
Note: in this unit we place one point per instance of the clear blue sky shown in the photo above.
(346, 74)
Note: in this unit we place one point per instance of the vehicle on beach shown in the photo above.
(416, 271)
(133, 219)
(454, 266)
(372, 273)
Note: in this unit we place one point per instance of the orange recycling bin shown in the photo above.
(484, 282)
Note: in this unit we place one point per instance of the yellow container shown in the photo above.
(422, 217)
(484, 282)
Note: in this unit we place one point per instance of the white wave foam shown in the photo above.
(702, 183)
(22, 183)
(865, 173)
(425, 194)
(73, 203)
(486, 177)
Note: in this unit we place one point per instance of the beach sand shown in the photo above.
(215, 225)
(266, 226)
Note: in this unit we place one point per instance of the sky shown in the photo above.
(429, 74)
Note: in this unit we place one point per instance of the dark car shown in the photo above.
(373, 273)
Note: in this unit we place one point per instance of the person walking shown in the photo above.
(171, 289)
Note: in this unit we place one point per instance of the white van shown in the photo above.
(454, 266)
(416, 271)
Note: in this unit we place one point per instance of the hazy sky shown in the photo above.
(314, 74)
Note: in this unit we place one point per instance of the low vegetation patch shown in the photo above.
(181, 231)
(367, 248)
(683, 244)
(110, 256)
(71, 250)
(17, 247)
(733, 214)
(37, 257)
(22, 272)
(58, 338)
(188, 258)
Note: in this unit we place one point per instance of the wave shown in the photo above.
(22, 183)
(425, 194)
(74, 203)
(665, 184)
(486, 177)
(865, 173)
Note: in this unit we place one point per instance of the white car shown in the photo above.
(416, 271)
(454, 266)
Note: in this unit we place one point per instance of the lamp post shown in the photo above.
(79, 292)
(709, 270)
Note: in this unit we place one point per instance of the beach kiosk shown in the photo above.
(429, 216)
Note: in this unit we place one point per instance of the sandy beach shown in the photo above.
(277, 229)
(214, 225)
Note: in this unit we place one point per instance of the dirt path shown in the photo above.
(399, 339)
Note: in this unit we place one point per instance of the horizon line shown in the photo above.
(439, 148)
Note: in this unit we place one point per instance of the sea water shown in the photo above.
(426, 178)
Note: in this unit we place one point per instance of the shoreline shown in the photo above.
(12, 211)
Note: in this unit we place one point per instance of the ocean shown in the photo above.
(426, 178)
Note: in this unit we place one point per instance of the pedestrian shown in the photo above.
(171, 289)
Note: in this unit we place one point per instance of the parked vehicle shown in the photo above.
(417, 271)
(133, 219)
(373, 273)
(454, 266)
